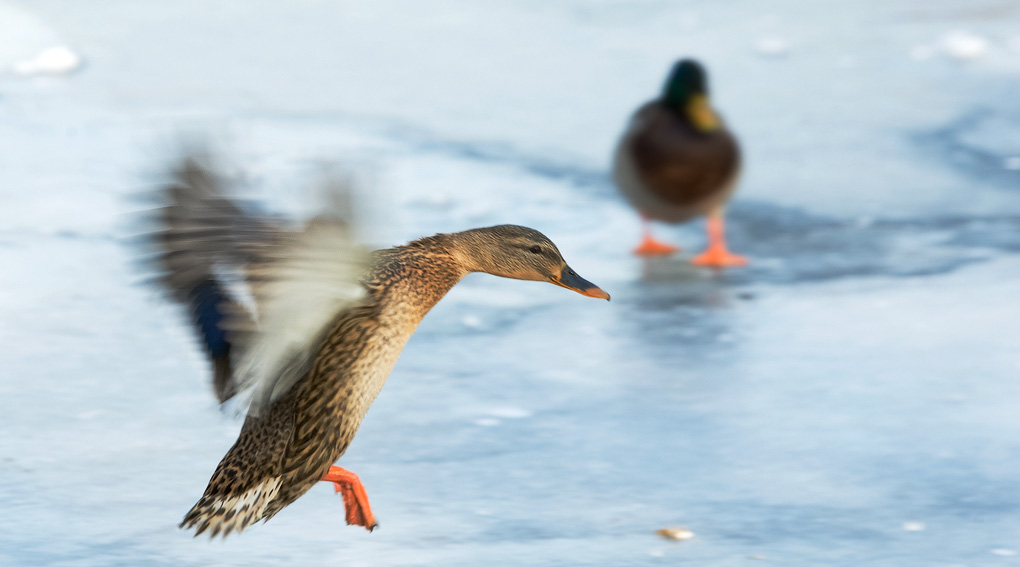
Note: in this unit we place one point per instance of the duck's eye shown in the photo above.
(536, 249)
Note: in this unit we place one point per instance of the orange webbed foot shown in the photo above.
(717, 255)
(652, 247)
(718, 258)
(358, 512)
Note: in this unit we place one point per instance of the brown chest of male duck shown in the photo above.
(677, 160)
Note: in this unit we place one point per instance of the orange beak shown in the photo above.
(569, 279)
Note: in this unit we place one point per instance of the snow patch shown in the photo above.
(772, 46)
(56, 60)
(963, 45)
(960, 45)
(510, 412)
(471, 321)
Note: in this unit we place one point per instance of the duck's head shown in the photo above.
(686, 91)
(521, 253)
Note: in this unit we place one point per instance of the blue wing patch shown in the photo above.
(208, 300)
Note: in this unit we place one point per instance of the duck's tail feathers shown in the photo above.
(221, 514)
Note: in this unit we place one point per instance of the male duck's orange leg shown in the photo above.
(717, 255)
(355, 498)
(650, 246)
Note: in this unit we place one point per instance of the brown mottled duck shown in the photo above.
(320, 333)
(677, 161)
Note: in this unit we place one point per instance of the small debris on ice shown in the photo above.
(913, 526)
(57, 60)
(772, 46)
(676, 534)
(487, 422)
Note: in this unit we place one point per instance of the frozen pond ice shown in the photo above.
(857, 381)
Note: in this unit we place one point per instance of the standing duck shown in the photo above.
(322, 329)
(677, 160)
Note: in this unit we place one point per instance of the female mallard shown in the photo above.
(330, 322)
(677, 161)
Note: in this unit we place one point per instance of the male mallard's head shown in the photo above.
(521, 253)
(686, 91)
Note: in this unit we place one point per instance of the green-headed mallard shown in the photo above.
(677, 161)
(328, 321)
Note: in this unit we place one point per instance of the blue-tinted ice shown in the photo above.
(850, 399)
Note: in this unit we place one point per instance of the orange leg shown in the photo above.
(650, 246)
(355, 498)
(717, 255)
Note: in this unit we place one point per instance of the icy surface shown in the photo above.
(850, 399)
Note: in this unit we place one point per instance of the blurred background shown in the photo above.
(849, 399)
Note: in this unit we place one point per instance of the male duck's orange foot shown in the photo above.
(718, 258)
(652, 247)
(359, 513)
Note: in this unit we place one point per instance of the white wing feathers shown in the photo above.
(300, 280)
(299, 288)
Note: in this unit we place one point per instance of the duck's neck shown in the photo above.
(696, 110)
(409, 280)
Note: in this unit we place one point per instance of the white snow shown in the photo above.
(509, 412)
(57, 60)
(964, 45)
(772, 46)
(471, 321)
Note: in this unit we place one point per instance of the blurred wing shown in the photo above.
(199, 233)
(300, 287)
(299, 280)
